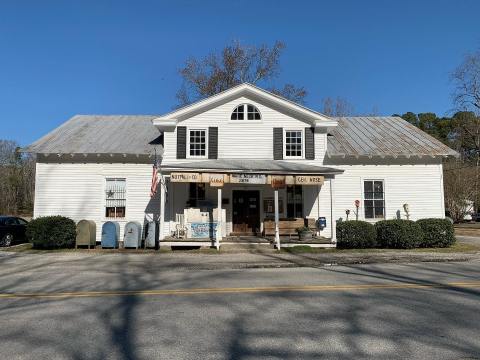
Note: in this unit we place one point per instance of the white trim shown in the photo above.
(104, 206)
(315, 118)
(188, 143)
(245, 113)
(362, 204)
(285, 157)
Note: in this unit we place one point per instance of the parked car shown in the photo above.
(12, 230)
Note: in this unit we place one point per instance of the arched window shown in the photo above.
(246, 112)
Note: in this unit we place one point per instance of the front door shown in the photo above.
(246, 212)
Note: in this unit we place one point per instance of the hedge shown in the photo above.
(398, 234)
(355, 234)
(51, 232)
(436, 232)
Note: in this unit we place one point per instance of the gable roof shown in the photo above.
(136, 135)
(382, 136)
(248, 90)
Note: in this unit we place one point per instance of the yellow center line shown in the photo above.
(305, 288)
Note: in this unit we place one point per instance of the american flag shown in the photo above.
(153, 189)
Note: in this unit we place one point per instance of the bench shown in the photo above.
(286, 227)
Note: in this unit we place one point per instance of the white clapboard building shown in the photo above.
(265, 164)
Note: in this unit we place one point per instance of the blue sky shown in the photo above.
(60, 58)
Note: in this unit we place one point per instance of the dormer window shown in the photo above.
(246, 112)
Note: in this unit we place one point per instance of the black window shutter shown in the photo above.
(181, 142)
(277, 143)
(310, 143)
(213, 142)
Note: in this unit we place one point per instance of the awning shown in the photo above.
(232, 166)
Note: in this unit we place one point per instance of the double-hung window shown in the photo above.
(196, 194)
(197, 143)
(374, 199)
(293, 144)
(115, 198)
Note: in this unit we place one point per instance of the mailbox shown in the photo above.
(321, 223)
(133, 235)
(86, 233)
(110, 234)
(150, 233)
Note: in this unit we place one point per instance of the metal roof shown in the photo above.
(251, 166)
(100, 134)
(382, 136)
(135, 134)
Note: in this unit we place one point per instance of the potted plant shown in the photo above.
(304, 233)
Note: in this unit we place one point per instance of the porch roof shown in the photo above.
(250, 166)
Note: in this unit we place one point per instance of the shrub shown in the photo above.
(51, 232)
(398, 234)
(437, 232)
(355, 234)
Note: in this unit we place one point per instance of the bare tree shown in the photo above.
(466, 79)
(460, 190)
(337, 107)
(234, 65)
(17, 179)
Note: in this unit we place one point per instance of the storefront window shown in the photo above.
(294, 202)
(196, 193)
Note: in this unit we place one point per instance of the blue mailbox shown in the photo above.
(133, 235)
(321, 223)
(110, 234)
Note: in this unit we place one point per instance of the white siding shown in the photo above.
(245, 139)
(76, 190)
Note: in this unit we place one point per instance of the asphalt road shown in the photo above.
(111, 307)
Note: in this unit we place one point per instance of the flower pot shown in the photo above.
(305, 235)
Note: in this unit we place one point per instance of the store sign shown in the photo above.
(185, 177)
(248, 179)
(277, 181)
(309, 180)
(214, 179)
(203, 230)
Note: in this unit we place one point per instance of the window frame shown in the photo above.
(295, 204)
(104, 209)
(302, 136)
(188, 143)
(373, 199)
(245, 113)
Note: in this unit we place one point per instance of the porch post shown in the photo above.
(161, 227)
(277, 232)
(218, 236)
(333, 223)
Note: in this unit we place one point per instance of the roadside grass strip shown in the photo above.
(239, 290)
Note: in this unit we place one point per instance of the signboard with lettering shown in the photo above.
(203, 230)
(215, 179)
(248, 179)
(277, 181)
(185, 177)
(309, 180)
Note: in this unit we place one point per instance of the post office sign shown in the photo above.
(248, 179)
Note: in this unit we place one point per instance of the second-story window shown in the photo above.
(293, 143)
(197, 143)
(246, 112)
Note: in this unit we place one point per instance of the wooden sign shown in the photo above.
(185, 177)
(309, 180)
(277, 181)
(248, 179)
(214, 179)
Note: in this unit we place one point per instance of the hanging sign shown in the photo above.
(248, 179)
(213, 179)
(277, 181)
(309, 180)
(185, 177)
